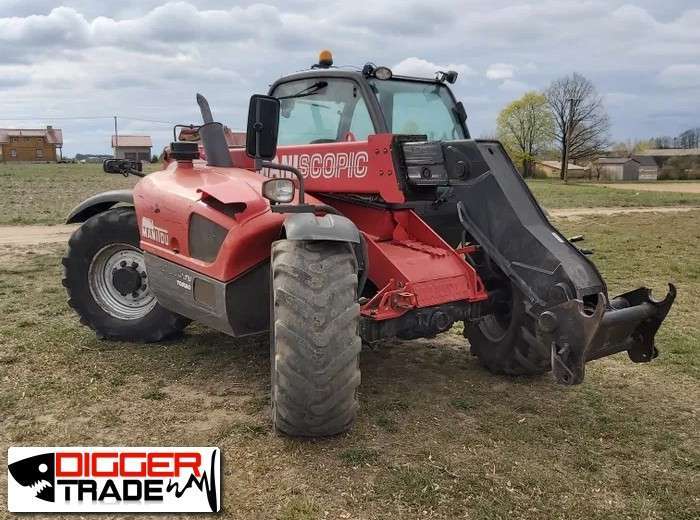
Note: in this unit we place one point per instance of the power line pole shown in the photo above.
(116, 137)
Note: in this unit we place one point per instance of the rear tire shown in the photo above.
(314, 339)
(103, 260)
(506, 342)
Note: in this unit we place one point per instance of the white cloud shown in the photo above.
(148, 57)
(681, 76)
(500, 71)
(423, 68)
(514, 87)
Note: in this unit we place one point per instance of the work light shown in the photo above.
(278, 190)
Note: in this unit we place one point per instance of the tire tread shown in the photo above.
(315, 333)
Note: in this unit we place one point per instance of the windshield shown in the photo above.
(316, 111)
(412, 107)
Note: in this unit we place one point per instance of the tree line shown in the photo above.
(687, 139)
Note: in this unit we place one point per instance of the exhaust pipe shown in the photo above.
(213, 138)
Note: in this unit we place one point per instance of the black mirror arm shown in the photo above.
(290, 169)
(131, 171)
(135, 173)
(258, 127)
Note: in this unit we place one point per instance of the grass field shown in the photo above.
(552, 193)
(438, 437)
(45, 193)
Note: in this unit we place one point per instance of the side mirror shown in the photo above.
(122, 166)
(263, 124)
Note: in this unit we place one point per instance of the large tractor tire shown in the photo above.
(505, 342)
(314, 338)
(105, 276)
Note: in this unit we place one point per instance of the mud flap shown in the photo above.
(567, 295)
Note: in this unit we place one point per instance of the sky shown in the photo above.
(147, 59)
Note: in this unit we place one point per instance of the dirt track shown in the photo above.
(675, 187)
(611, 211)
(35, 235)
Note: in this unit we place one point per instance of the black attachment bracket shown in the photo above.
(577, 335)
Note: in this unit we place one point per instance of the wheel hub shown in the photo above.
(126, 280)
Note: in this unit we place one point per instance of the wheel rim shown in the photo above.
(495, 326)
(119, 283)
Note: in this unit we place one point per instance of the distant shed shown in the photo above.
(618, 169)
(553, 169)
(648, 168)
(134, 147)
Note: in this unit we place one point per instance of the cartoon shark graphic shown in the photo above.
(36, 473)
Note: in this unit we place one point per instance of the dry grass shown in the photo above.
(45, 193)
(552, 193)
(438, 437)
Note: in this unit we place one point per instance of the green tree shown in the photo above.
(525, 127)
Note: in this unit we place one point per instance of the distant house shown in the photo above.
(134, 147)
(553, 169)
(617, 169)
(648, 169)
(31, 144)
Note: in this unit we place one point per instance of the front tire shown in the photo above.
(505, 342)
(105, 276)
(314, 339)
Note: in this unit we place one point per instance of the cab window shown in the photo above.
(416, 107)
(322, 110)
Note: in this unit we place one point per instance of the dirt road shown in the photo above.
(36, 235)
(676, 187)
(611, 211)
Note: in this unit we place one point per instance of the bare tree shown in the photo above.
(581, 124)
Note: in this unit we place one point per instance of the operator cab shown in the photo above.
(327, 105)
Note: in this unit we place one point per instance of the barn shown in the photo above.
(617, 169)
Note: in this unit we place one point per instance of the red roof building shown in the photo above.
(134, 147)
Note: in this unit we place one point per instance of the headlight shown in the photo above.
(278, 190)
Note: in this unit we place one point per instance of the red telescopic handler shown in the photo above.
(359, 209)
